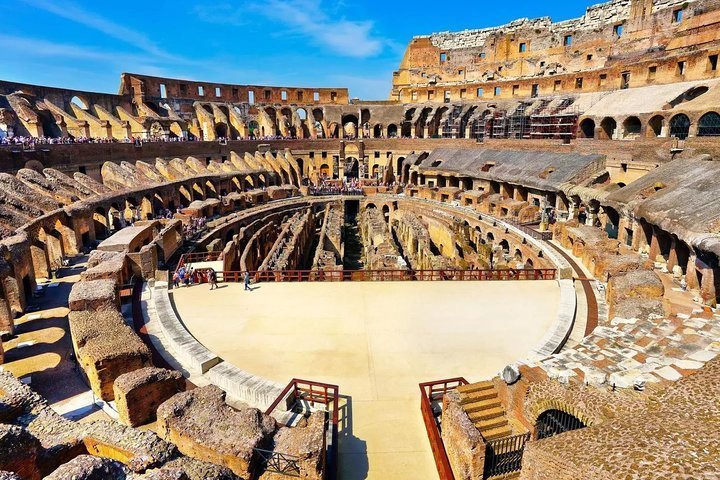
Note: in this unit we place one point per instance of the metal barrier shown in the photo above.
(430, 392)
(504, 455)
(545, 236)
(323, 393)
(281, 463)
(391, 275)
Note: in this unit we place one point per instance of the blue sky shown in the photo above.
(85, 45)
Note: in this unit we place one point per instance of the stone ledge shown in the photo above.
(191, 353)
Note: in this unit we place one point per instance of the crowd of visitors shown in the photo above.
(352, 187)
(196, 226)
(30, 142)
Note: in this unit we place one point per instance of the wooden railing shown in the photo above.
(313, 393)
(391, 275)
(433, 392)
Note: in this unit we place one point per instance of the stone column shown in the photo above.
(691, 276)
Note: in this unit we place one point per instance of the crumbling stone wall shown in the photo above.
(106, 348)
(203, 426)
(139, 393)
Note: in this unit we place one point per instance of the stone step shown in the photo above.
(490, 424)
(495, 433)
(478, 396)
(486, 414)
(476, 387)
(488, 404)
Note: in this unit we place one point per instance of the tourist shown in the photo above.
(212, 278)
(246, 276)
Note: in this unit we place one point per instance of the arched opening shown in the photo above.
(80, 103)
(333, 130)
(386, 213)
(680, 126)
(490, 237)
(392, 131)
(301, 166)
(319, 131)
(608, 127)
(587, 128)
(375, 172)
(115, 219)
(176, 130)
(354, 170)
(655, 126)
(632, 127)
(709, 125)
(612, 222)
(554, 422)
(253, 129)
(518, 255)
(406, 173)
(350, 126)
(325, 171)
(504, 245)
(377, 131)
(100, 222)
(221, 130)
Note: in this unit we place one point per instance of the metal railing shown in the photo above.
(276, 462)
(391, 275)
(433, 392)
(313, 393)
(545, 236)
(504, 455)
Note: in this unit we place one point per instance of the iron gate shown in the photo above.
(553, 422)
(504, 455)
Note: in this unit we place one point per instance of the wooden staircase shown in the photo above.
(482, 404)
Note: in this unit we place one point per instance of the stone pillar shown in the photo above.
(654, 245)
(691, 276)
(707, 287)
(672, 258)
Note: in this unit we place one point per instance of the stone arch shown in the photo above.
(221, 130)
(552, 422)
(655, 126)
(197, 192)
(632, 127)
(377, 131)
(146, 208)
(333, 130)
(608, 126)
(680, 126)
(80, 102)
(325, 171)
(350, 125)
(116, 220)
(709, 125)
(253, 128)
(392, 131)
(100, 223)
(185, 193)
(587, 128)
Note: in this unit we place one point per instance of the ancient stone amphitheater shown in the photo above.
(506, 270)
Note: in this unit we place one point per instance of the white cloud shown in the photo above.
(306, 18)
(74, 13)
